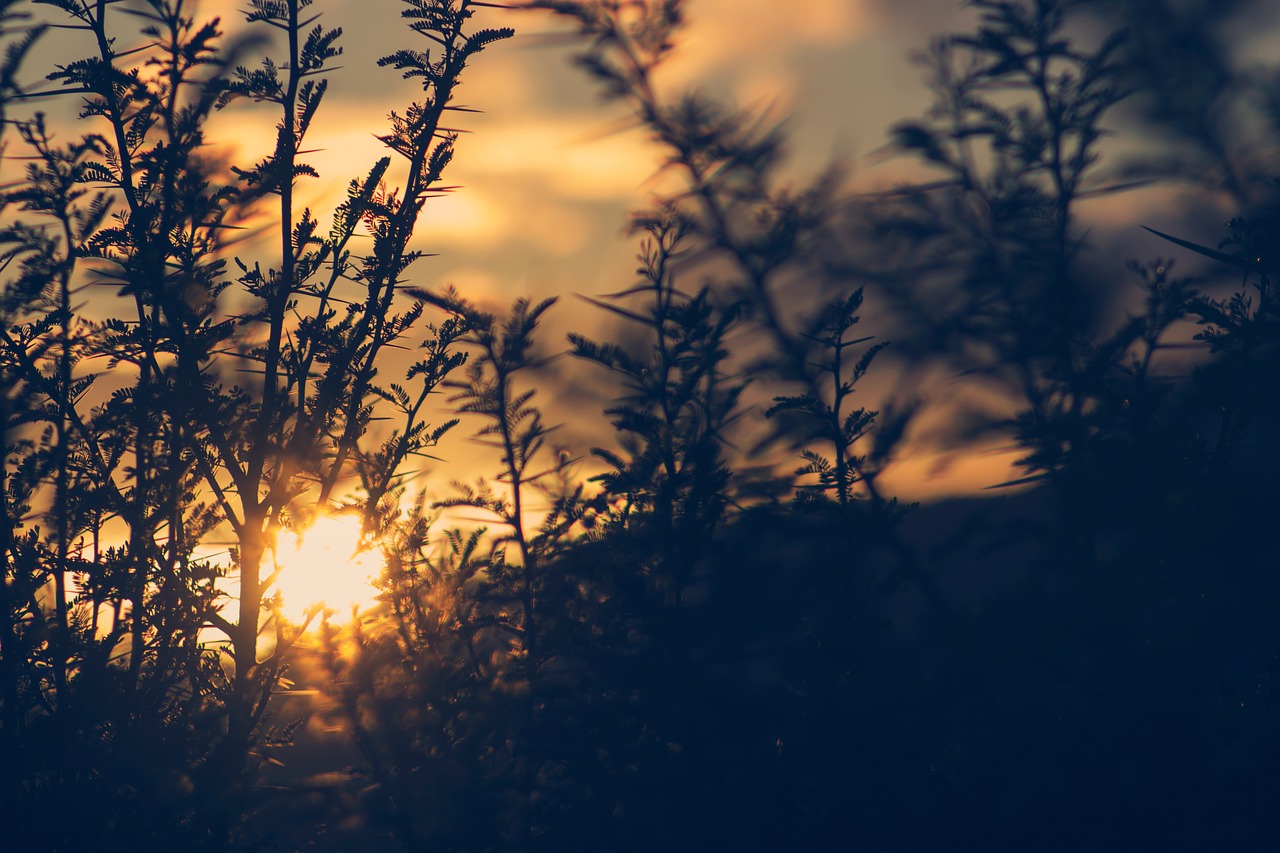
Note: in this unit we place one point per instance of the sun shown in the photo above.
(325, 566)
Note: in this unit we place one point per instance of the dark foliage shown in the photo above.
(679, 652)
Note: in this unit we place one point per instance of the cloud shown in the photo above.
(567, 153)
(744, 32)
(749, 46)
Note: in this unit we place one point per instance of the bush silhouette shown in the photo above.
(672, 638)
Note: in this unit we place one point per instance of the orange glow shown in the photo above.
(325, 566)
(930, 475)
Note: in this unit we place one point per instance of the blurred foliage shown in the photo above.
(688, 650)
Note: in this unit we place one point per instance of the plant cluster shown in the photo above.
(207, 405)
(692, 648)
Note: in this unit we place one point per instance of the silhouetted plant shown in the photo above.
(426, 689)
(178, 452)
(503, 349)
(1129, 587)
(677, 409)
(754, 235)
(998, 227)
(673, 662)
(82, 590)
(837, 474)
(1236, 383)
(446, 692)
(988, 271)
(1205, 114)
(1000, 292)
(514, 427)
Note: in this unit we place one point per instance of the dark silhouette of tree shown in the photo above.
(240, 419)
(666, 655)
(1120, 572)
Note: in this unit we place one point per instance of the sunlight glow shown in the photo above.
(325, 565)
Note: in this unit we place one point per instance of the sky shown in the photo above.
(547, 172)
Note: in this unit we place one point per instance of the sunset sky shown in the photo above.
(548, 173)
